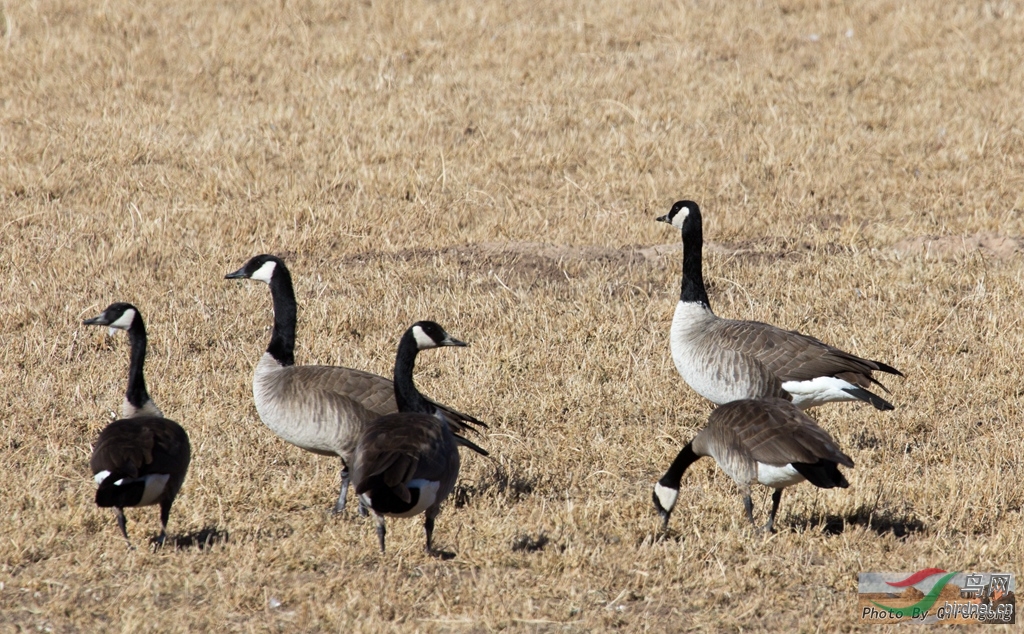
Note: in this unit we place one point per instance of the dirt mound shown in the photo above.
(942, 247)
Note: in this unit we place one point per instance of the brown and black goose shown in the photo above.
(725, 360)
(140, 459)
(319, 408)
(767, 441)
(406, 463)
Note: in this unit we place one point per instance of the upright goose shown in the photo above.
(406, 463)
(767, 441)
(319, 408)
(725, 360)
(140, 459)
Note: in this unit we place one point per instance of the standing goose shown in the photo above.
(725, 360)
(768, 441)
(319, 408)
(406, 463)
(140, 459)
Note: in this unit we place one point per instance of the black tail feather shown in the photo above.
(120, 495)
(471, 445)
(823, 474)
(869, 397)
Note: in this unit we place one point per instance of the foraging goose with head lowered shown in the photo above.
(725, 360)
(767, 441)
(406, 463)
(319, 408)
(140, 459)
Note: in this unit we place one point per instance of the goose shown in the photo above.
(406, 463)
(319, 408)
(768, 441)
(141, 458)
(725, 360)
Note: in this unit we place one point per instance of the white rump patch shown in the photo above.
(265, 272)
(777, 477)
(666, 496)
(423, 340)
(155, 485)
(124, 322)
(824, 389)
(428, 495)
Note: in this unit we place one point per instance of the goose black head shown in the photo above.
(684, 215)
(260, 267)
(429, 334)
(117, 316)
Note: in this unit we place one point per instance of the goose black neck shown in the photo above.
(282, 340)
(136, 393)
(693, 273)
(684, 459)
(407, 396)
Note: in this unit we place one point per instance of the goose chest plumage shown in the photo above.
(766, 441)
(725, 360)
(142, 458)
(319, 408)
(407, 463)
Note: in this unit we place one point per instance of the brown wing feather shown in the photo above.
(372, 392)
(140, 446)
(771, 431)
(793, 356)
(396, 447)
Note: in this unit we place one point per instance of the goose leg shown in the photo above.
(748, 506)
(776, 498)
(381, 531)
(339, 506)
(121, 523)
(428, 528)
(165, 514)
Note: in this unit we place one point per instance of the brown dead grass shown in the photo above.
(497, 167)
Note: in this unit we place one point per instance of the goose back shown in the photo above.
(397, 451)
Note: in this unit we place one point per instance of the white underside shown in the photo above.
(666, 496)
(155, 485)
(311, 423)
(777, 477)
(824, 389)
(689, 323)
(428, 495)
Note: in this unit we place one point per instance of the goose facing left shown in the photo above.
(725, 360)
(319, 408)
(142, 458)
(767, 441)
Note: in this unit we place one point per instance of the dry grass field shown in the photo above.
(497, 167)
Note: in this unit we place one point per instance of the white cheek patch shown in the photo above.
(124, 322)
(666, 496)
(265, 272)
(423, 340)
(101, 476)
(680, 217)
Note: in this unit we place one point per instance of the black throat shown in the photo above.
(693, 273)
(282, 340)
(407, 396)
(683, 460)
(136, 393)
